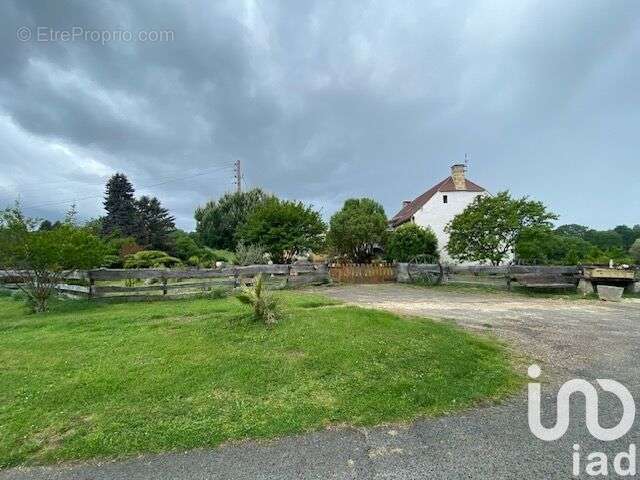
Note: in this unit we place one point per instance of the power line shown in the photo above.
(32, 186)
(75, 200)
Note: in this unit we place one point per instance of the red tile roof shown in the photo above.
(446, 185)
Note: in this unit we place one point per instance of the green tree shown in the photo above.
(634, 251)
(283, 228)
(46, 225)
(545, 247)
(410, 241)
(604, 239)
(39, 259)
(358, 230)
(217, 223)
(628, 235)
(94, 225)
(489, 228)
(572, 229)
(120, 206)
(155, 224)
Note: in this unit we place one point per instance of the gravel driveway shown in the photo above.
(569, 338)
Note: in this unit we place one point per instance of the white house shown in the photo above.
(436, 207)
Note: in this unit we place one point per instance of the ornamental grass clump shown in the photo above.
(266, 308)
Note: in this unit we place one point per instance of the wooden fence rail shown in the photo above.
(123, 284)
(126, 284)
(523, 275)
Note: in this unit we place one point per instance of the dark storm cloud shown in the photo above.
(323, 101)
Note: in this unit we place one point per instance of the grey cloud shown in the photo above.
(325, 100)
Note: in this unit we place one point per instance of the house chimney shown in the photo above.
(405, 203)
(457, 174)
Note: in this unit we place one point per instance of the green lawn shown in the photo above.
(106, 380)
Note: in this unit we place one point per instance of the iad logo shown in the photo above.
(598, 462)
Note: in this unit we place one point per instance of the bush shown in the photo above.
(111, 261)
(249, 255)
(184, 245)
(410, 241)
(151, 259)
(224, 255)
(42, 257)
(266, 308)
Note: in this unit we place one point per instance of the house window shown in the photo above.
(445, 199)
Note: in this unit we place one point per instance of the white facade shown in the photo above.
(436, 214)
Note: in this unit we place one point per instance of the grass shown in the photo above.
(91, 380)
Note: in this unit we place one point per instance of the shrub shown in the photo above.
(249, 254)
(266, 308)
(411, 241)
(208, 257)
(184, 245)
(151, 259)
(129, 247)
(224, 255)
(111, 261)
(42, 257)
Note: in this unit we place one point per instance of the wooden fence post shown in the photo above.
(92, 285)
(164, 285)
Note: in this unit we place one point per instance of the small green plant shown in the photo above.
(151, 259)
(266, 308)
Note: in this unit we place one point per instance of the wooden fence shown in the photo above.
(157, 284)
(363, 273)
(150, 284)
(505, 276)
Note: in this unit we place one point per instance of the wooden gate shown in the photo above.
(362, 273)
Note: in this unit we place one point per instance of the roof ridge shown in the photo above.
(407, 211)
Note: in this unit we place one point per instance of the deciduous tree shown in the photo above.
(410, 241)
(357, 230)
(283, 228)
(39, 259)
(489, 228)
(217, 223)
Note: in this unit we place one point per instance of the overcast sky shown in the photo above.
(321, 101)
